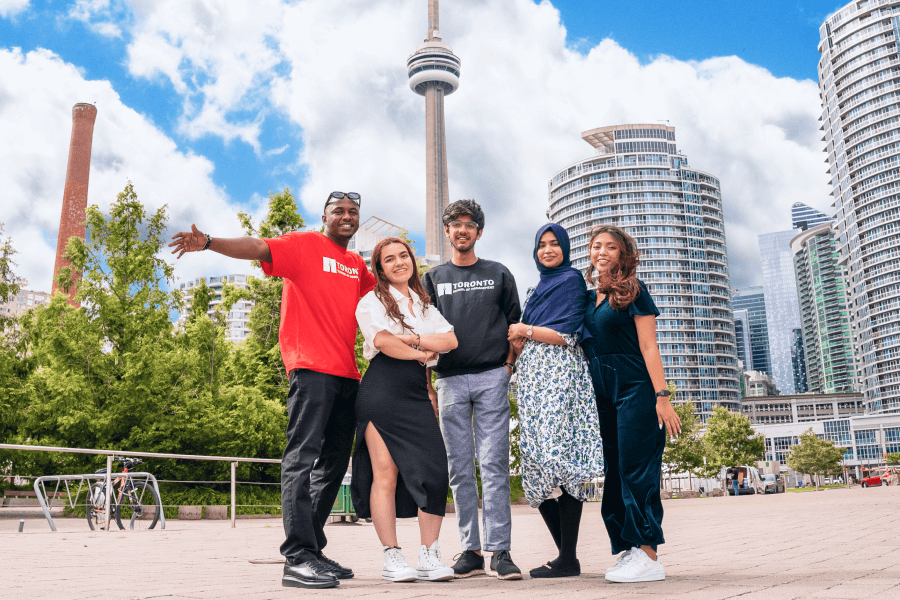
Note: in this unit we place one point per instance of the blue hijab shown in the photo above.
(560, 299)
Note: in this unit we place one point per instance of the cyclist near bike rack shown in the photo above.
(323, 282)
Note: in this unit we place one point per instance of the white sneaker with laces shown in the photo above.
(623, 560)
(430, 567)
(639, 568)
(396, 568)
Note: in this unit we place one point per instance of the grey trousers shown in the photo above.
(475, 419)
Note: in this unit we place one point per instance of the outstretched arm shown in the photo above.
(246, 248)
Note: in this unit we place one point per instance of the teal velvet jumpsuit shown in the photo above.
(633, 443)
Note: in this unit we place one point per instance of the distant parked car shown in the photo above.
(877, 477)
(772, 484)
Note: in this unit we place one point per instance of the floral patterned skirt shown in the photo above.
(560, 431)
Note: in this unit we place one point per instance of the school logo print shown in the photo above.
(330, 265)
(446, 289)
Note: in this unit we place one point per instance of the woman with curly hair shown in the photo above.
(400, 463)
(632, 402)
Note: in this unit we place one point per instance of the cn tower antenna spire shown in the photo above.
(434, 73)
(433, 20)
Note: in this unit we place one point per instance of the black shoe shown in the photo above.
(340, 571)
(311, 574)
(468, 563)
(546, 571)
(504, 567)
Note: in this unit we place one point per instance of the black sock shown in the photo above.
(549, 510)
(569, 522)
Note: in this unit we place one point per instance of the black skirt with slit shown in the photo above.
(393, 397)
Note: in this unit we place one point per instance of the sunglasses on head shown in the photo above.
(352, 196)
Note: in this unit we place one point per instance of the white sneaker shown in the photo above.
(430, 567)
(638, 568)
(623, 560)
(396, 568)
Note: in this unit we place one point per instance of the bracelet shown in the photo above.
(418, 340)
(208, 242)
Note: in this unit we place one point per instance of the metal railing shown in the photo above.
(234, 460)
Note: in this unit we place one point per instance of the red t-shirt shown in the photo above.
(323, 283)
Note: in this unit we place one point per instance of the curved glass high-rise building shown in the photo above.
(858, 85)
(638, 181)
(824, 311)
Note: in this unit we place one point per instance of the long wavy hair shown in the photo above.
(383, 284)
(619, 283)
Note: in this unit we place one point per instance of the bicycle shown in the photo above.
(126, 506)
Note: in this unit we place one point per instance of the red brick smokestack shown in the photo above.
(71, 223)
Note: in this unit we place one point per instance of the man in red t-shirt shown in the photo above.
(323, 282)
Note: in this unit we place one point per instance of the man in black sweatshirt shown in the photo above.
(479, 298)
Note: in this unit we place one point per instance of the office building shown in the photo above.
(434, 72)
(824, 311)
(860, 107)
(742, 339)
(753, 300)
(237, 319)
(804, 217)
(757, 383)
(638, 181)
(782, 312)
(837, 417)
(21, 302)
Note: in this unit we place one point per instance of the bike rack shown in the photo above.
(42, 497)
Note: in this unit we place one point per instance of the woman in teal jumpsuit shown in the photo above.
(632, 403)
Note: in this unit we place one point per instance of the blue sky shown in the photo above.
(780, 35)
(95, 36)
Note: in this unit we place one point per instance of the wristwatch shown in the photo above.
(663, 393)
(530, 331)
(512, 367)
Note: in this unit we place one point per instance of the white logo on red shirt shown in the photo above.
(330, 265)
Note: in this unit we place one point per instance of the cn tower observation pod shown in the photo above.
(433, 62)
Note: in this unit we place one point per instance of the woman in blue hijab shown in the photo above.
(559, 430)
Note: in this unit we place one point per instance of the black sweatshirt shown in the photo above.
(481, 302)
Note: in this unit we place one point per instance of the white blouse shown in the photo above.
(372, 318)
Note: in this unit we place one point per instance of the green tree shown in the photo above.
(684, 452)
(258, 362)
(815, 456)
(13, 369)
(893, 458)
(10, 283)
(115, 374)
(730, 440)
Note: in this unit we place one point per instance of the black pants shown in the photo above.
(321, 420)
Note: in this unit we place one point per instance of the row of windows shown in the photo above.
(645, 147)
(628, 134)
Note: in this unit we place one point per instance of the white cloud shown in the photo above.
(336, 69)
(37, 92)
(8, 8)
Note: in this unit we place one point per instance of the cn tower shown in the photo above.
(434, 73)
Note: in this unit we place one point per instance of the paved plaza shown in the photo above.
(831, 544)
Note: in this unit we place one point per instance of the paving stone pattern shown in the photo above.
(832, 544)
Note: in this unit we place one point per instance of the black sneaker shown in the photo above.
(504, 567)
(311, 574)
(468, 564)
(340, 571)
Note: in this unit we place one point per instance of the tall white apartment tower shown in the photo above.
(859, 84)
(434, 73)
(638, 181)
